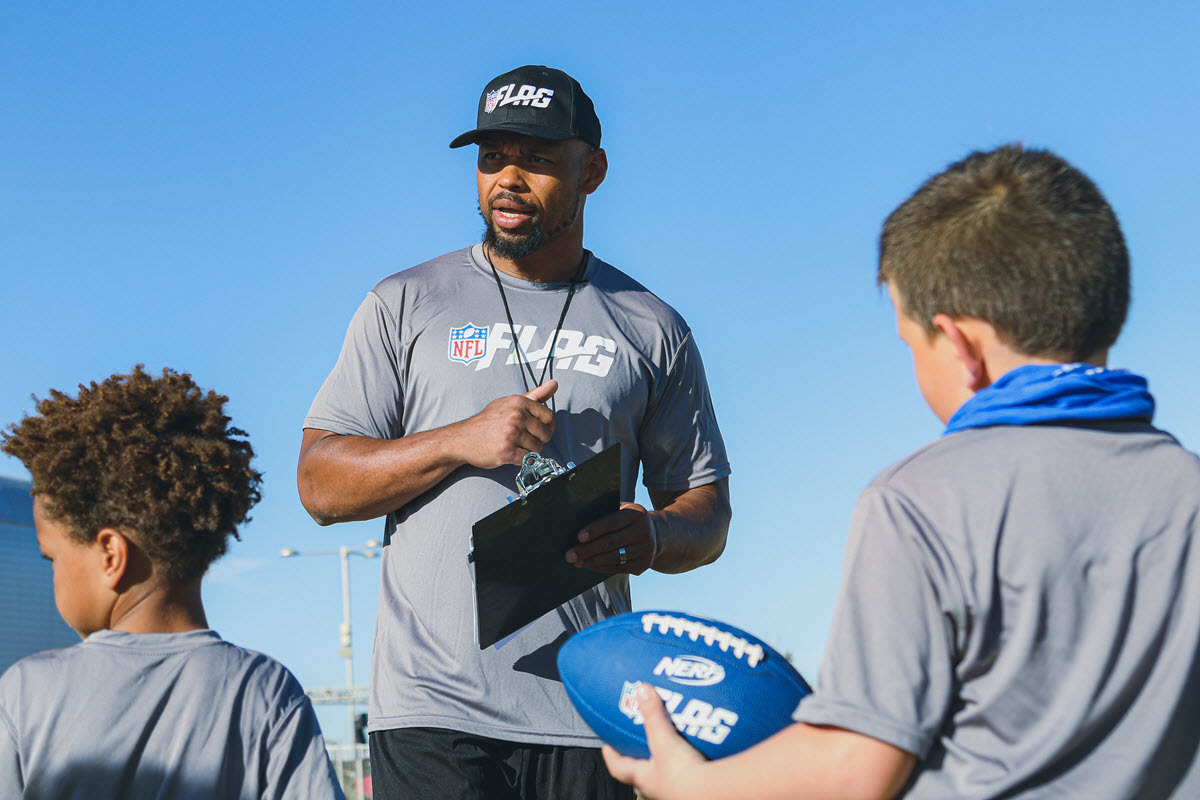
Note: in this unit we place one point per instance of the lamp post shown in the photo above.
(369, 549)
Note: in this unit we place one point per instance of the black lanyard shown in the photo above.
(524, 363)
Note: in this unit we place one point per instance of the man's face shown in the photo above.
(77, 573)
(531, 191)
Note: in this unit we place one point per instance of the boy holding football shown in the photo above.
(1020, 606)
(137, 485)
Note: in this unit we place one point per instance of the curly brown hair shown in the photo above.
(154, 458)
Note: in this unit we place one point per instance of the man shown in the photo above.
(452, 372)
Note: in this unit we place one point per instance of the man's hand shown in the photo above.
(630, 529)
(686, 530)
(673, 763)
(506, 429)
(344, 477)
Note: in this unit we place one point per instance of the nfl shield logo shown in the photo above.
(628, 703)
(467, 343)
(493, 97)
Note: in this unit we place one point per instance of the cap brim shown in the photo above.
(539, 131)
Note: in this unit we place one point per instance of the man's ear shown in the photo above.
(968, 351)
(114, 555)
(595, 168)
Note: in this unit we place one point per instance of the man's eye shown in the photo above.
(539, 160)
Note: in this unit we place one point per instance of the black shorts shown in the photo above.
(429, 763)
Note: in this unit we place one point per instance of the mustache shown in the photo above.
(515, 199)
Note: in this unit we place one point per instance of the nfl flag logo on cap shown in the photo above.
(534, 101)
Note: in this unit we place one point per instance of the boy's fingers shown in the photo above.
(660, 731)
(619, 766)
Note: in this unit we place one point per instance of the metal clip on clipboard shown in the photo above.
(535, 470)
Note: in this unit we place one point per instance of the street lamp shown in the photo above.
(369, 549)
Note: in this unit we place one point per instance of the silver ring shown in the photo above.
(624, 560)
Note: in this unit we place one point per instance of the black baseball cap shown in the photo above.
(536, 101)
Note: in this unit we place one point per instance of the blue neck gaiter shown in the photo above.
(1038, 393)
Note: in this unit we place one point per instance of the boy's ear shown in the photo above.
(114, 556)
(968, 351)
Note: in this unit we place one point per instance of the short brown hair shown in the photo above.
(154, 458)
(1020, 239)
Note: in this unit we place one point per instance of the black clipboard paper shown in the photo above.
(520, 569)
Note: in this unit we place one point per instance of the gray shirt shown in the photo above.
(161, 715)
(431, 346)
(1020, 609)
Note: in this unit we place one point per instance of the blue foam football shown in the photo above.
(724, 689)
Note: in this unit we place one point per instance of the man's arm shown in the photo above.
(686, 530)
(801, 761)
(343, 478)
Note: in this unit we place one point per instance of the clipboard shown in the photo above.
(520, 572)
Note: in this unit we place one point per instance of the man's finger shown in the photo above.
(526, 442)
(541, 413)
(609, 560)
(539, 431)
(544, 392)
(611, 522)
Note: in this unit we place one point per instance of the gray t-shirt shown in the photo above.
(1020, 609)
(431, 346)
(163, 715)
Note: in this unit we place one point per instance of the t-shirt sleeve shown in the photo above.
(362, 395)
(297, 766)
(888, 670)
(12, 783)
(681, 445)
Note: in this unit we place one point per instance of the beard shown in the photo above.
(515, 246)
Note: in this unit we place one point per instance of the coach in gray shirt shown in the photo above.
(450, 373)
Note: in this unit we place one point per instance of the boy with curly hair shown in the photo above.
(138, 484)
(1019, 613)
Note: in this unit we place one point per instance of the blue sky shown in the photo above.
(215, 186)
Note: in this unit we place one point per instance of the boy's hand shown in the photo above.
(673, 763)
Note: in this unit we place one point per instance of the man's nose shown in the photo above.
(511, 177)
